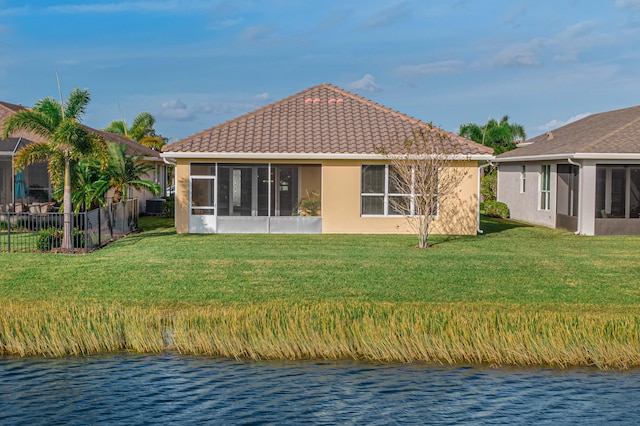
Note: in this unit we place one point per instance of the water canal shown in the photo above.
(174, 389)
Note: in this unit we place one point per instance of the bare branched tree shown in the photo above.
(422, 175)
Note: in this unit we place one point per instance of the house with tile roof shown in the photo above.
(583, 177)
(250, 174)
(36, 186)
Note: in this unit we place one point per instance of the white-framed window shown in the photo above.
(545, 187)
(379, 194)
(523, 179)
(203, 188)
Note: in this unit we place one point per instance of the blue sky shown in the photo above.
(194, 64)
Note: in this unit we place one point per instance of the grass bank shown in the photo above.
(382, 332)
(518, 295)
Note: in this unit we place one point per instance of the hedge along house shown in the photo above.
(33, 184)
(583, 177)
(250, 174)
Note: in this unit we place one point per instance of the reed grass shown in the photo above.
(385, 332)
(55, 330)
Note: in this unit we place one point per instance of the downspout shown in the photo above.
(171, 162)
(480, 168)
(13, 171)
(580, 188)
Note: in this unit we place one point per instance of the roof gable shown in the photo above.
(133, 147)
(606, 133)
(323, 119)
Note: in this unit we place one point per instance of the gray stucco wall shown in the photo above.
(526, 205)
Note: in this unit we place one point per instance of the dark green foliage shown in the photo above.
(489, 185)
(169, 206)
(3, 225)
(23, 222)
(50, 238)
(494, 208)
(502, 136)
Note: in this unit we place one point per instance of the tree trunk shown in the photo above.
(67, 207)
(117, 196)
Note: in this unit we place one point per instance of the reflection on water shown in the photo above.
(174, 389)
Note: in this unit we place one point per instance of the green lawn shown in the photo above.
(512, 263)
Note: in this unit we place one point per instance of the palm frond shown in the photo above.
(76, 103)
(29, 120)
(33, 153)
(142, 126)
(118, 127)
(51, 108)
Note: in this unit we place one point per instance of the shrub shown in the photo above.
(50, 238)
(488, 186)
(3, 225)
(169, 206)
(496, 209)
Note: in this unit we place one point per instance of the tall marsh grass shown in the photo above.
(378, 332)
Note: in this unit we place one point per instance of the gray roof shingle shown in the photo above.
(611, 132)
(323, 119)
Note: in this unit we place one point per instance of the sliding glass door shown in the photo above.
(257, 190)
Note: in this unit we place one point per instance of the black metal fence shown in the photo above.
(42, 232)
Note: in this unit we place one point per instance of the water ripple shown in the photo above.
(173, 389)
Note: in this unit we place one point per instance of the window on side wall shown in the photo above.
(523, 179)
(545, 187)
(382, 195)
(203, 188)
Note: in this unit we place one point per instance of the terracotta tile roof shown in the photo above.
(7, 109)
(611, 132)
(324, 119)
(133, 148)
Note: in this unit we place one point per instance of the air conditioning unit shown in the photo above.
(155, 206)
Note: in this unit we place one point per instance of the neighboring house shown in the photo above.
(249, 174)
(33, 184)
(583, 177)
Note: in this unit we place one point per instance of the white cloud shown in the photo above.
(255, 33)
(432, 68)
(175, 109)
(15, 11)
(227, 23)
(555, 123)
(632, 5)
(367, 83)
(262, 97)
(516, 14)
(566, 58)
(564, 46)
(519, 55)
(388, 16)
(112, 7)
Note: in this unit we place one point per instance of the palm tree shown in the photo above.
(502, 136)
(142, 130)
(67, 141)
(88, 188)
(125, 171)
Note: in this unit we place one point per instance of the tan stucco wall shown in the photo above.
(339, 182)
(182, 197)
(341, 204)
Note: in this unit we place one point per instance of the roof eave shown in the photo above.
(169, 156)
(572, 156)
